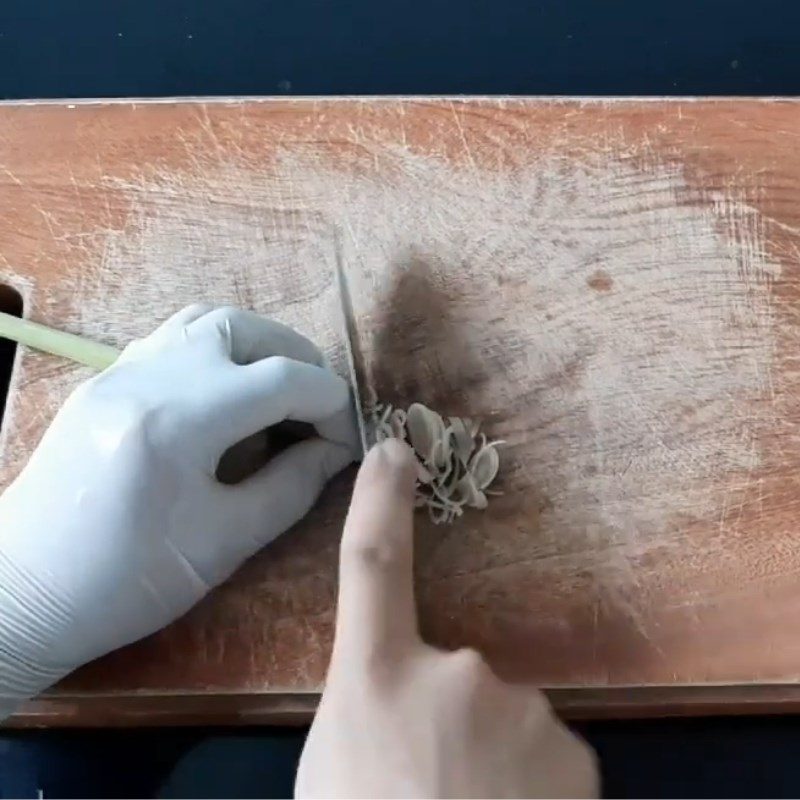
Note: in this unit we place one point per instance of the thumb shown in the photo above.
(376, 608)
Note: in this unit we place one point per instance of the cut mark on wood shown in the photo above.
(10, 303)
(600, 281)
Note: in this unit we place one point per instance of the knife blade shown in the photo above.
(350, 335)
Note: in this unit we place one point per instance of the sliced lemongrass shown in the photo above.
(455, 463)
(423, 476)
(462, 438)
(424, 428)
(463, 490)
(441, 452)
(484, 466)
(397, 422)
(470, 494)
(419, 430)
(480, 502)
(438, 516)
(440, 493)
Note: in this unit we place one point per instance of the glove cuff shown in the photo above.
(26, 618)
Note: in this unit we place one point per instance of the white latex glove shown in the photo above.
(399, 718)
(117, 526)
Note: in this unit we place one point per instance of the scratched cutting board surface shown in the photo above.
(611, 286)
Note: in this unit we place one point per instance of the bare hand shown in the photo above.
(399, 718)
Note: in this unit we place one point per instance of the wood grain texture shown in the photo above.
(610, 285)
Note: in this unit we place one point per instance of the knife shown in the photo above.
(351, 341)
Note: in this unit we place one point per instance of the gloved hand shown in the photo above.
(117, 525)
(399, 718)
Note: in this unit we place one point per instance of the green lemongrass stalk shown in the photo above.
(58, 343)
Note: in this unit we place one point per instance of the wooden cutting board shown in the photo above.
(611, 285)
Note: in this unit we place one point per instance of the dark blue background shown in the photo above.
(62, 48)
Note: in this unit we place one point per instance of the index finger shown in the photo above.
(376, 611)
(249, 337)
(248, 399)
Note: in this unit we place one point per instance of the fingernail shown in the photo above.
(395, 456)
(390, 463)
(397, 453)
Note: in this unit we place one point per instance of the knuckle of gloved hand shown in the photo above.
(280, 369)
(220, 320)
(280, 375)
